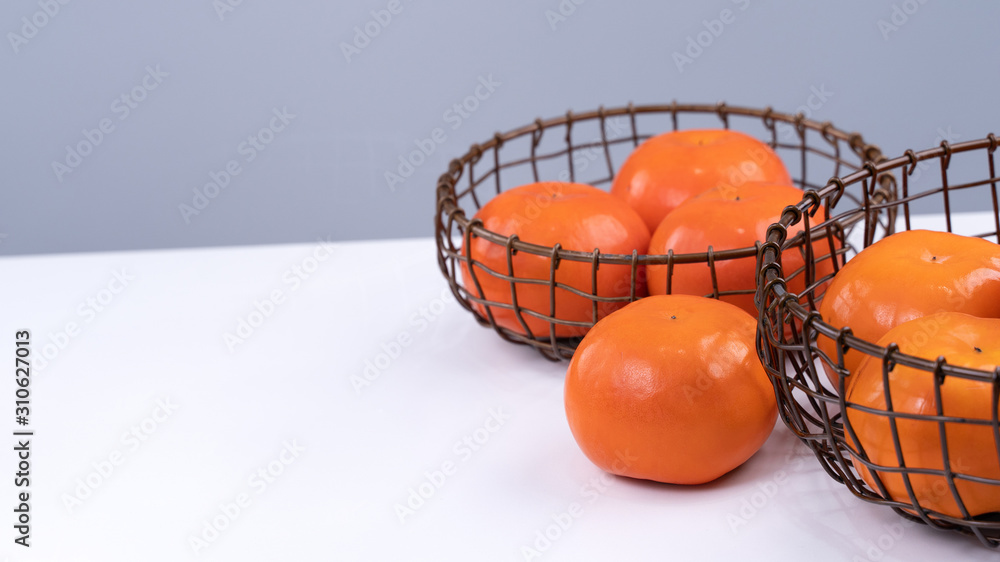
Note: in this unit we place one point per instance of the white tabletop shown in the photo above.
(337, 457)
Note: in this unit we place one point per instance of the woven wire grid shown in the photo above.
(790, 324)
(588, 148)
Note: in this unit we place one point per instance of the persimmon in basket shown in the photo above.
(731, 218)
(670, 389)
(577, 217)
(666, 170)
(964, 341)
(906, 276)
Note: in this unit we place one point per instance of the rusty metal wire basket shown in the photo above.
(790, 327)
(588, 148)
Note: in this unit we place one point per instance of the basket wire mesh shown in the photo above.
(790, 326)
(588, 148)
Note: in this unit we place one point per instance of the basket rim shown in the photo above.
(769, 270)
(448, 205)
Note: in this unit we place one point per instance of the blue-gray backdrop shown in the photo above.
(160, 124)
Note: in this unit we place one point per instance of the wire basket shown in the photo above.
(790, 325)
(588, 148)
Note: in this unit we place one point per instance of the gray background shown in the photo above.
(934, 76)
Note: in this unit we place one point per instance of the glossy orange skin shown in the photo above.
(670, 389)
(670, 168)
(728, 218)
(906, 276)
(971, 448)
(579, 217)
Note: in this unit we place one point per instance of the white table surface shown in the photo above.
(162, 338)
